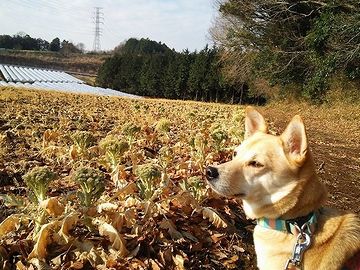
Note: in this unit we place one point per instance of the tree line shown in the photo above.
(148, 68)
(23, 41)
(263, 49)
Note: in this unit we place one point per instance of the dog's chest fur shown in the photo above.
(273, 248)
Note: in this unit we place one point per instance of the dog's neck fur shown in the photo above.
(305, 196)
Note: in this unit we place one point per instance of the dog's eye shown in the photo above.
(255, 164)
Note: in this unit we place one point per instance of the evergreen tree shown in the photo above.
(197, 75)
(55, 45)
(148, 68)
(171, 77)
(185, 61)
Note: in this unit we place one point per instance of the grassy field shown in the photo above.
(122, 184)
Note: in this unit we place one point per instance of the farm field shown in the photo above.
(123, 185)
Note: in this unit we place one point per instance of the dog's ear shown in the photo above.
(295, 140)
(254, 122)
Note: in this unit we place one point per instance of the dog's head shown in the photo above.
(265, 168)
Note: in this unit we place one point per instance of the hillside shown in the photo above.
(73, 63)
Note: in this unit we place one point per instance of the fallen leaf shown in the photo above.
(189, 236)
(11, 200)
(117, 221)
(11, 223)
(214, 217)
(86, 251)
(179, 262)
(127, 190)
(154, 265)
(73, 152)
(134, 252)
(50, 135)
(196, 247)
(20, 266)
(43, 240)
(131, 201)
(185, 199)
(117, 242)
(240, 249)
(170, 226)
(166, 256)
(57, 261)
(77, 265)
(118, 176)
(216, 237)
(130, 217)
(107, 207)
(231, 263)
(52, 206)
(136, 229)
(148, 209)
(39, 264)
(68, 223)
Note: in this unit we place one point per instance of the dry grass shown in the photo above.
(74, 62)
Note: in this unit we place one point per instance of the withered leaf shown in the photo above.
(117, 242)
(170, 226)
(43, 240)
(67, 224)
(179, 262)
(52, 206)
(214, 217)
(106, 207)
(11, 223)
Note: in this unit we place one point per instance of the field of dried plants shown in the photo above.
(108, 183)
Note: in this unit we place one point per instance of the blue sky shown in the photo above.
(178, 23)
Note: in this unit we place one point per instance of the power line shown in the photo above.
(98, 20)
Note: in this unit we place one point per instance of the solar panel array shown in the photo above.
(51, 80)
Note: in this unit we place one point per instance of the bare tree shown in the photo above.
(287, 41)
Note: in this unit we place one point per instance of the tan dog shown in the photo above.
(275, 178)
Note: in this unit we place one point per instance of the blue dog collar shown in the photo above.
(291, 225)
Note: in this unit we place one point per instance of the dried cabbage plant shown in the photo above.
(122, 187)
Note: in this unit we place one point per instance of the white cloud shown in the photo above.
(178, 23)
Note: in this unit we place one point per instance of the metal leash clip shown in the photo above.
(303, 242)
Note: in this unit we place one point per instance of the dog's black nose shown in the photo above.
(211, 173)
